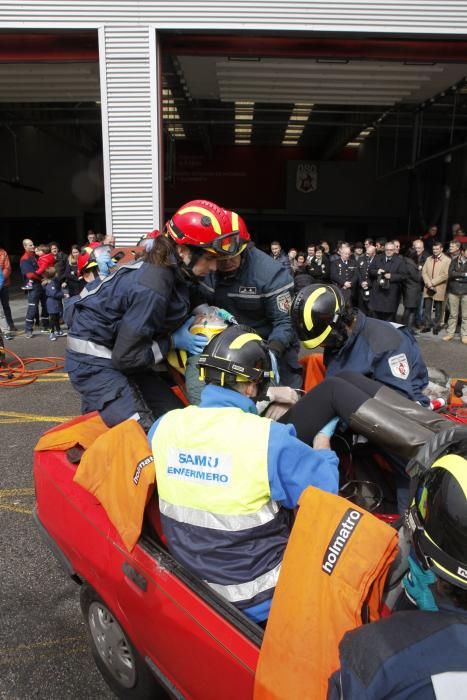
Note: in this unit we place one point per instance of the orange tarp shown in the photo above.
(314, 370)
(336, 562)
(82, 430)
(118, 469)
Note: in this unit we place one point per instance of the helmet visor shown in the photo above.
(227, 245)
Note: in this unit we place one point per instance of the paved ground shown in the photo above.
(43, 650)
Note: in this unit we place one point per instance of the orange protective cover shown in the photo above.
(323, 585)
(118, 469)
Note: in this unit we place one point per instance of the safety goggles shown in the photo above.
(225, 246)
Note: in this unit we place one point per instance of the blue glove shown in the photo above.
(330, 427)
(184, 340)
(274, 367)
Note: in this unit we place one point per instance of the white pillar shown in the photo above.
(129, 80)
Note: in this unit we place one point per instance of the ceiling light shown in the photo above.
(242, 142)
(289, 143)
(353, 144)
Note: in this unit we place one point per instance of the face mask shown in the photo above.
(417, 582)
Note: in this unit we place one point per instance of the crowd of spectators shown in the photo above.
(48, 275)
(423, 285)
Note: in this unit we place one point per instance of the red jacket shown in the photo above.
(5, 267)
(43, 262)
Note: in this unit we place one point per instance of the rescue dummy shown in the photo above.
(331, 581)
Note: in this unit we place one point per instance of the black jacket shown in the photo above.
(385, 297)
(412, 284)
(319, 270)
(457, 276)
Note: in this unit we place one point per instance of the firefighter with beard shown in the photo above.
(258, 293)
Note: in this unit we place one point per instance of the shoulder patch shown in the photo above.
(399, 366)
(284, 302)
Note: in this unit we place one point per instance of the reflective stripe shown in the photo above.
(88, 347)
(237, 592)
(215, 521)
(156, 351)
(259, 296)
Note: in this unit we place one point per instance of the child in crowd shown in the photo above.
(45, 259)
(54, 294)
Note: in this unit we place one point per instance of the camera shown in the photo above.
(382, 281)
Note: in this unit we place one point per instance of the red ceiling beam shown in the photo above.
(247, 45)
(26, 47)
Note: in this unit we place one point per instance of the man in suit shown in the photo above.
(386, 272)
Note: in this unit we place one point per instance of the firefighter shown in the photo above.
(258, 292)
(421, 651)
(352, 341)
(227, 518)
(121, 327)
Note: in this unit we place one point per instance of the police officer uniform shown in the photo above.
(364, 294)
(343, 271)
(259, 295)
(119, 330)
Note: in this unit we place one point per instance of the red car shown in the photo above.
(154, 628)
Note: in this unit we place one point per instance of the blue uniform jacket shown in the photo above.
(258, 294)
(54, 296)
(28, 267)
(292, 465)
(131, 313)
(384, 352)
(403, 657)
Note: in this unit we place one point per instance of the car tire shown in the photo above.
(122, 667)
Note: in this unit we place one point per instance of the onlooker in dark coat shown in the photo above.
(387, 272)
(302, 277)
(344, 272)
(412, 289)
(364, 282)
(54, 295)
(319, 266)
(60, 260)
(457, 295)
(5, 268)
(278, 254)
(72, 279)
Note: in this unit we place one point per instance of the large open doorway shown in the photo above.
(51, 175)
(317, 138)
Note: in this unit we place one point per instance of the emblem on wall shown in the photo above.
(307, 177)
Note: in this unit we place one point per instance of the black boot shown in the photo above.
(388, 429)
(412, 410)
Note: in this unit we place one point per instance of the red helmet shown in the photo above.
(238, 224)
(87, 260)
(204, 225)
(147, 241)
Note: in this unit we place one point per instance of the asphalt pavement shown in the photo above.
(43, 648)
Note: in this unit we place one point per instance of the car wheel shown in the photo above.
(122, 667)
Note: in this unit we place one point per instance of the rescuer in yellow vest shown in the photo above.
(228, 479)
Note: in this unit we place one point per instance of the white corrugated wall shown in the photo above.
(129, 71)
(129, 103)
